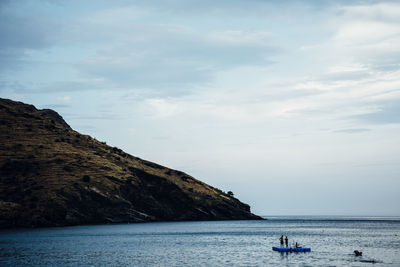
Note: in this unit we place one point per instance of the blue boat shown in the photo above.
(291, 249)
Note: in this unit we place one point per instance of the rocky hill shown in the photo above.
(51, 175)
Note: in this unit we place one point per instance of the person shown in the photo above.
(297, 245)
(286, 241)
(281, 239)
(357, 253)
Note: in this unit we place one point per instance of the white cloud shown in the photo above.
(64, 99)
(380, 12)
(366, 33)
(174, 58)
(369, 35)
(161, 108)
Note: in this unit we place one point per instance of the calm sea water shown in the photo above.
(226, 243)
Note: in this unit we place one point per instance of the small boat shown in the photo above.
(291, 249)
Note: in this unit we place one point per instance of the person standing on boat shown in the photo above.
(286, 241)
(281, 239)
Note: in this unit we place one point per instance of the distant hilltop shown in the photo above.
(51, 175)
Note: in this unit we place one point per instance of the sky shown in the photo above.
(292, 105)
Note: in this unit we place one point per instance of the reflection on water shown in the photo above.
(227, 243)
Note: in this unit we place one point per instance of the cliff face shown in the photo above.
(51, 175)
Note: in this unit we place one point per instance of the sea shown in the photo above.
(332, 240)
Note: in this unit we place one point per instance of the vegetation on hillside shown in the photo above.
(52, 175)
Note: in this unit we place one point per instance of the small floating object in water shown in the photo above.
(291, 249)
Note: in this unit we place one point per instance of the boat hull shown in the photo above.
(291, 249)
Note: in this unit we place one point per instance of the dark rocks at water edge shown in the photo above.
(51, 175)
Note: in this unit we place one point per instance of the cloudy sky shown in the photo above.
(292, 105)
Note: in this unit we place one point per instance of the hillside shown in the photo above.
(51, 175)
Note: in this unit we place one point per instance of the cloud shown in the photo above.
(55, 106)
(387, 113)
(350, 73)
(387, 11)
(20, 34)
(235, 8)
(369, 34)
(175, 58)
(125, 48)
(360, 76)
(353, 130)
(64, 99)
(15, 86)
